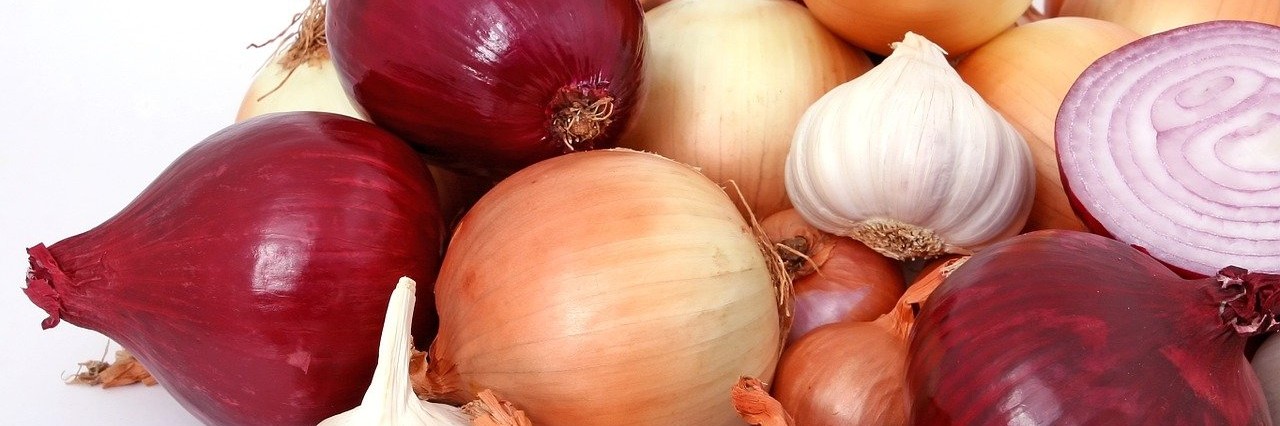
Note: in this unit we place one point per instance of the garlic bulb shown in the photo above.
(390, 399)
(910, 160)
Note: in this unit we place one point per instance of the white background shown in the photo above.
(96, 98)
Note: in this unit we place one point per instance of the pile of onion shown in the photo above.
(607, 287)
(1024, 73)
(1067, 327)
(251, 277)
(489, 86)
(1169, 144)
(834, 278)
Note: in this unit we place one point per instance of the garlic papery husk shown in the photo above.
(910, 160)
(390, 399)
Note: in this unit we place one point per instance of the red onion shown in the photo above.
(251, 277)
(491, 86)
(1169, 144)
(1067, 327)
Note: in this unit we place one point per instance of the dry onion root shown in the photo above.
(124, 371)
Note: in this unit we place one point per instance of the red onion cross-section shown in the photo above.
(1172, 144)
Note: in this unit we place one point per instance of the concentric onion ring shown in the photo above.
(1172, 144)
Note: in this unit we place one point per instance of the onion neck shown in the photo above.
(1248, 301)
(579, 115)
(44, 281)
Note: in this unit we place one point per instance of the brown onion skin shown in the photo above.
(1067, 327)
(552, 287)
(251, 277)
(843, 279)
(836, 375)
(471, 83)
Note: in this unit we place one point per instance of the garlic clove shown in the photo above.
(390, 399)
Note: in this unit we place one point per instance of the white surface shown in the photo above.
(96, 98)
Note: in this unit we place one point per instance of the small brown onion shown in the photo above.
(1148, 17)
(854, 373)
(1025, 73)
(835, 278)
(728, 81)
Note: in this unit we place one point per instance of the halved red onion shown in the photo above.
(1172, 144)
(490, 86)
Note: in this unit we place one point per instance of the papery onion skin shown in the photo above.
(1067, 327)
(1167, 144)
(251, 277)
(728, 81)
(835, 278)
(606, 287)
(476, 84)
(844, 373)
(1148, 17)
(1024, 73)
(957, 25)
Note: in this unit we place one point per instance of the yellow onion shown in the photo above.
(729, 80)
(607, 287)
(1024, 74)
(957, 25)
(1148, 17)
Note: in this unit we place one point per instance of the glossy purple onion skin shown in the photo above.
(471, 83)
(251, 277)
(1070, 328)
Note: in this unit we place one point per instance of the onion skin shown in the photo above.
(606, 287)
(836, 375)
(1148, 159)
(728, 82)
(957, 25)
(251, 277)
(1066, 327)
(841, 279)
(1148, 17)
(474, 84)
(1025, 73)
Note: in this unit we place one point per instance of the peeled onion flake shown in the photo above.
(1172, 144)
